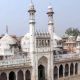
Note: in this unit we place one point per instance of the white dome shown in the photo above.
(7, 39)
(56, 41)
(5, 45)
(31, 6)
(78, 38)
(56, 37)
(25, 42)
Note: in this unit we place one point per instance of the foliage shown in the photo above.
(72, 31)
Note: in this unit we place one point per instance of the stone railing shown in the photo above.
(14, 62)
(62, 57)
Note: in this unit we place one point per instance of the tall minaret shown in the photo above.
(51, 31)
(50, 19)
(50, 22)
(31, 12)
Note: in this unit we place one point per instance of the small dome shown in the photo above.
(56, 37)
(31, 6)
(50, 9)
(7, 39)
(78, 38)
(25, 42)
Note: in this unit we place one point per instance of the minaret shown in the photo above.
(50, 23)
(31, 12)
(51, 31)
(50, 19)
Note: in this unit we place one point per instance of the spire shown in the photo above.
(7, 29)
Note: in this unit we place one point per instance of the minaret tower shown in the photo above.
(51, 31)
(50, 23)
(50, 19)
(31, 12)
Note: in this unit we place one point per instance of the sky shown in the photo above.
(14, 14)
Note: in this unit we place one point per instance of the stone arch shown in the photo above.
(66, 70)
(12, 76)
(28, 75)
(55, 73)
(42, 66)
(20, 75)
(76, 68)
(61, 71)
(3, 76)
(71, 69)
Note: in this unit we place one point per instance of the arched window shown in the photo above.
(28, 75)
(55, 72)
(12, 76)
(76, 68)
(71, 69)
(61, 71)
(66, 70)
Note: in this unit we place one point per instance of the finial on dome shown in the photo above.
(7, 29)
(31, 7)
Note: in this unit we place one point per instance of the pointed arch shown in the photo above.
(66, 70)
(55, 73)
(28, 75)
(3, 76)
(76, 68)
(41, 72)
(61, 71)
(20, 75)
(12, 76)
(71, 69)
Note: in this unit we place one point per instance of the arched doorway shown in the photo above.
(20, 75)
(61, 71)
(76, 68)
(55, 73)
(3, 76)
(42, 68)
(66, 70)
(28, 75)
(41, 72)
(12, 76)
(71, 69)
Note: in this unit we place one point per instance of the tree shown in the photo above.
(72, 31)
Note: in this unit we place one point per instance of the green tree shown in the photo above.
(72, 31)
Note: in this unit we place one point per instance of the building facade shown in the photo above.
(38, 55)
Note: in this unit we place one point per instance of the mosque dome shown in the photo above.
(78, 38)
(6, 44)
(25, 42)
(57, 41)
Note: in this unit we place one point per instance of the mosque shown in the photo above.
(39, 55)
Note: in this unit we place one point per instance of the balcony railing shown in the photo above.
(14, 62)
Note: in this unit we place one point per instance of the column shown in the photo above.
(63, 71)
(69, 70)
(58, 72)
(24, 74)
(74, 69)
(16, 75)
(7, 75)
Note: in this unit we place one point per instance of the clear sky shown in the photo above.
(14, 14)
